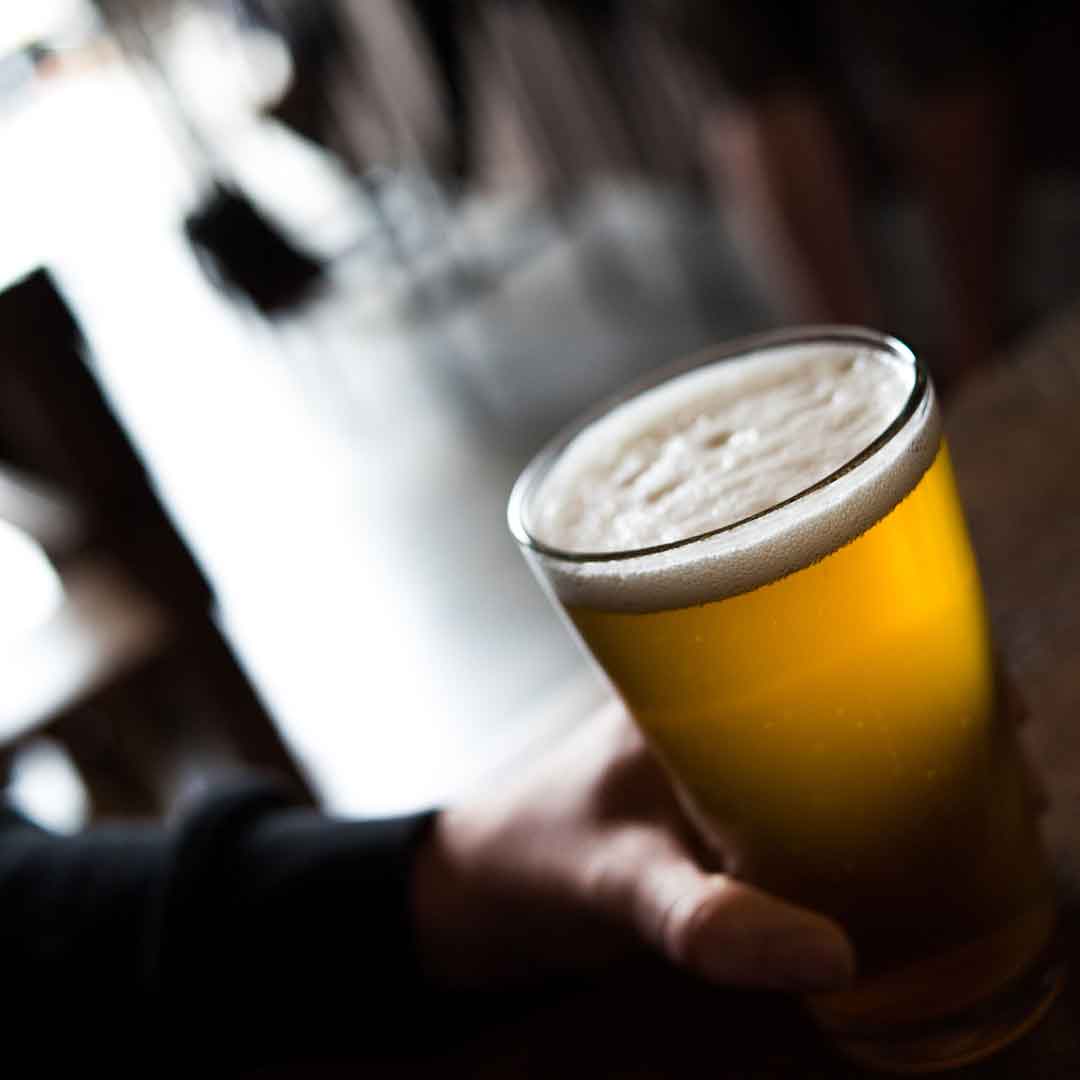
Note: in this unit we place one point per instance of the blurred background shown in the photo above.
(290, 290)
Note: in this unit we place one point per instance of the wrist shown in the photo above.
(440, 903)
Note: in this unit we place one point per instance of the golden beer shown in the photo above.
(835, 729)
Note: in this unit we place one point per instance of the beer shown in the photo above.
(767, 557)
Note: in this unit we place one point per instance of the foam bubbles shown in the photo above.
(715, 446)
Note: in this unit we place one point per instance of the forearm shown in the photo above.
(234, 932)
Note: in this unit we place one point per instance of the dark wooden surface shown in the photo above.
(1015, 437)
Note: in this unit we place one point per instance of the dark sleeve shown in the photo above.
(253, 929)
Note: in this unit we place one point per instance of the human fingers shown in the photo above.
(721, 928)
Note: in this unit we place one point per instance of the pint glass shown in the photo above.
(816, 673)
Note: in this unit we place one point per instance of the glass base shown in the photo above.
(965, 1037)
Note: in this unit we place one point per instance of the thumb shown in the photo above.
(731, 932)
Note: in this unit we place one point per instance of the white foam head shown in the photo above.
(710, 448)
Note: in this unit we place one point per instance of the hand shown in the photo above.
(586, 857)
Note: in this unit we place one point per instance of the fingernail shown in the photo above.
(813, 959)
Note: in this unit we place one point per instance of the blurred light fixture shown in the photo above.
(30, 588)
(45, 787)
(23, 24)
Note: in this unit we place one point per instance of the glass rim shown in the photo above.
(545, 458)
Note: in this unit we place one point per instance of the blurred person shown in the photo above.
(233, 937)
(782, 149)
(770, 140)
(444, 25)
(951, 70)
